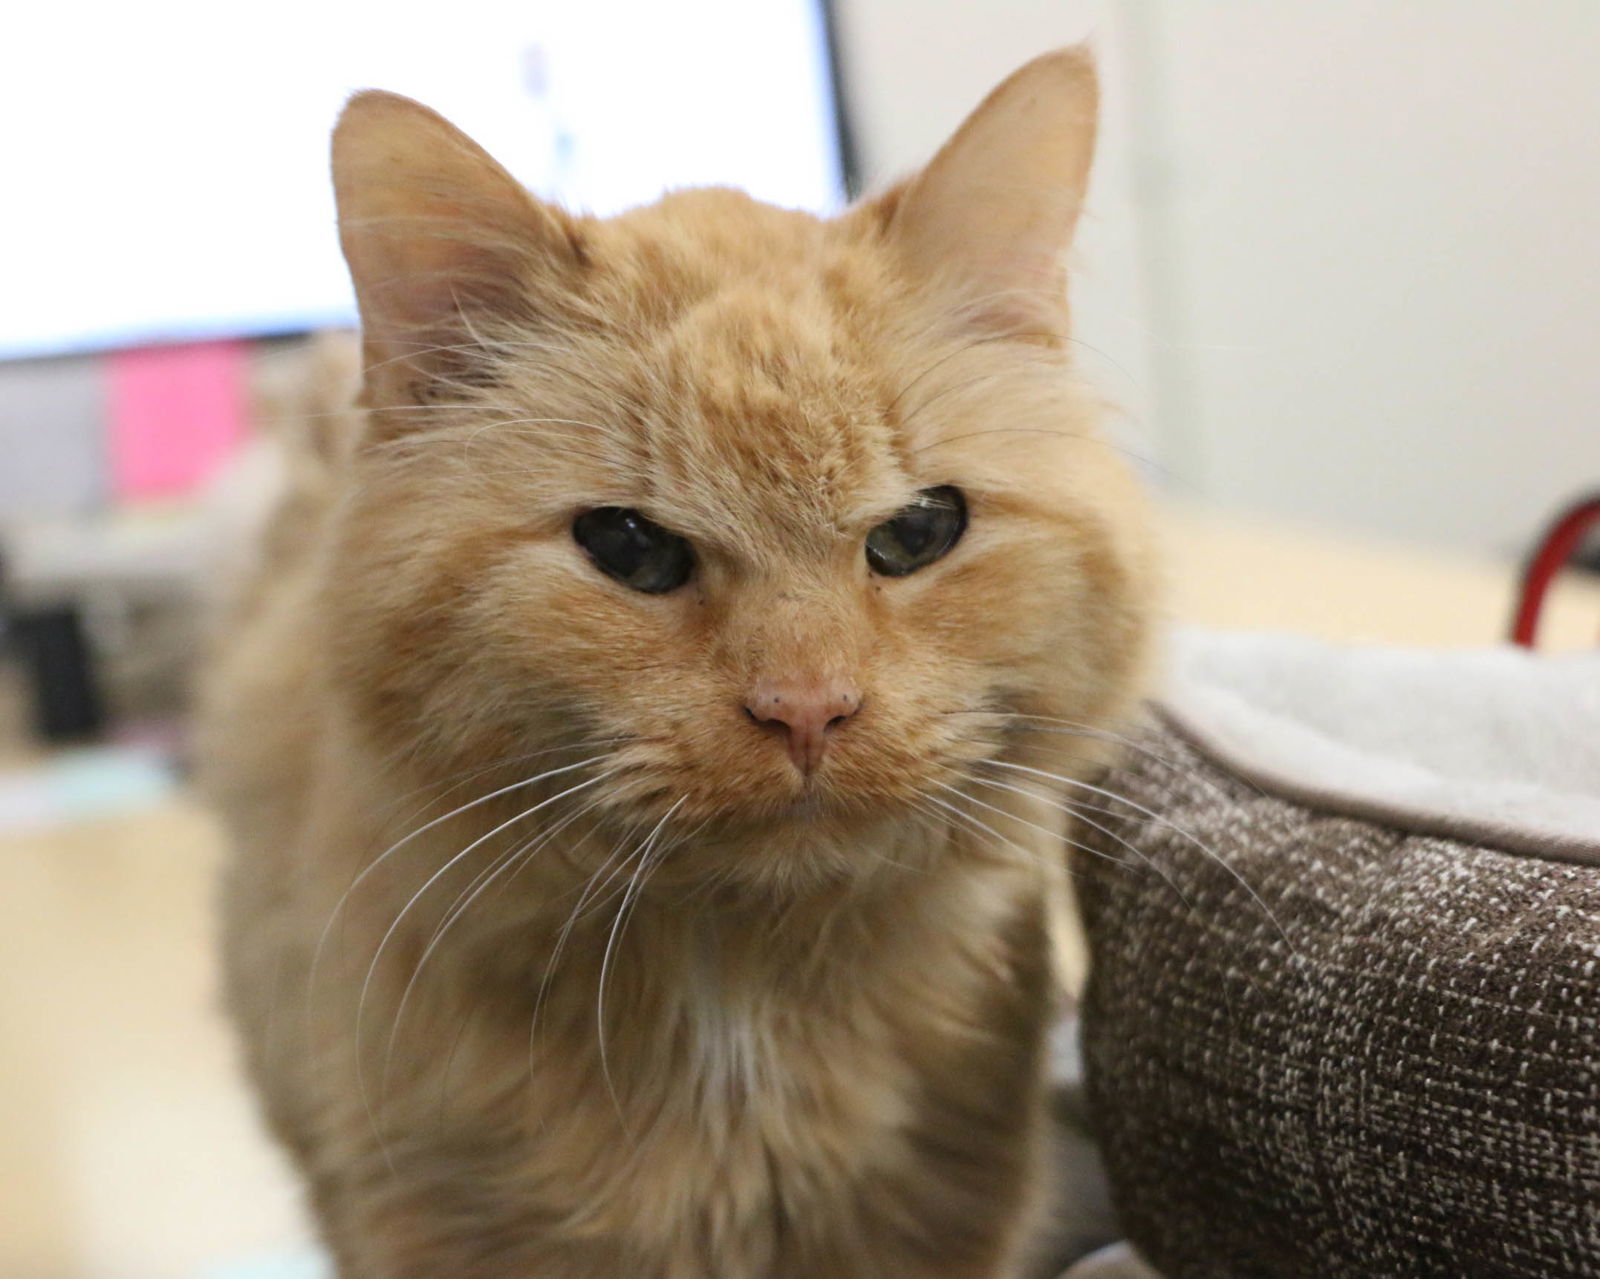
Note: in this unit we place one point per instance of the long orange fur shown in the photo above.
(547, 960)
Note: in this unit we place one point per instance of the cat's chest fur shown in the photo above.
(750, 1094)
(754, 1097)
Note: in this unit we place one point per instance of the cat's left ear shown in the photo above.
(443, 245)
(988, 223)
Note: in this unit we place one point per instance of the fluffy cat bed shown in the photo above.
(1343, 1013)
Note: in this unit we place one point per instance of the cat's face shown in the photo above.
(792, 519)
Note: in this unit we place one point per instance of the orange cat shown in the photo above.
(642, 756)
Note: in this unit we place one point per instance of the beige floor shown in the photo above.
(127, 1147)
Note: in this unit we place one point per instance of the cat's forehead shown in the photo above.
(766, 413)
(767, 382)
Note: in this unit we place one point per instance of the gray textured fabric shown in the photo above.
(1350, 1051)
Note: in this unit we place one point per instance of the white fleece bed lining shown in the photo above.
(1497, 747)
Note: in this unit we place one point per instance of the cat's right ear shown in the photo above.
(443, 246)
(988, 223)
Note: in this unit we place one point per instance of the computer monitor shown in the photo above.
(168, 159)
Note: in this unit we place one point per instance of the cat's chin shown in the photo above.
(812, 812)
(808, 808)
(811, 841)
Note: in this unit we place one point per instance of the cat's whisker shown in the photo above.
(1075, 808)
(275, 420)
(1096, 438)
(418, 351)
(943, 360)
(1055, 835)
(450, 782)
(469, 433)
(517, 857)
(1073, 812)
(986, 378)
(525, 857)
(975, 307)
(1075, 728)
(1161, 820)
(1041, 430)
(883, 859)
(1064, 839)
(623, 913)
(1056, 724)
(1070, 727)
(487, 345)
(559, 949)
(407, 450)
(495, 348)
(941, 823)
(459, 406)
(976, 824)
(971, 824)
(399, 919)
(455, 781)
(372, 866)
(502, 762)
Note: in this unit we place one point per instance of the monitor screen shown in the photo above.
(170, 174)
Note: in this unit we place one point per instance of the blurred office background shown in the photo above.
(1342, 265)
(1339, 266)
(1340, 272)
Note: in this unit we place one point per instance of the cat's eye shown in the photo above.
(636, 551)
(920, 534)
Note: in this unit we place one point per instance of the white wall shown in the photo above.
(915, 68)
(1347, 254)
(1389, 229)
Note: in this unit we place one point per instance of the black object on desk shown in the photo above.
(54, 650)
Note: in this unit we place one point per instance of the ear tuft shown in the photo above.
(443, 245)
(989, 221)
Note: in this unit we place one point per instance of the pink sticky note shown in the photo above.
(176, 413)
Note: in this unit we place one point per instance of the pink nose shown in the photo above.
(805, 709)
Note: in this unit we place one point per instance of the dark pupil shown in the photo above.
(916, 529)
(920, 534)
(636, 551)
